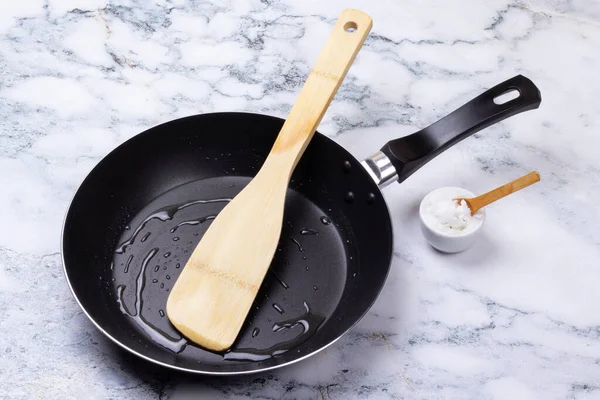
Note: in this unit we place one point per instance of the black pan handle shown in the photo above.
(410, 153)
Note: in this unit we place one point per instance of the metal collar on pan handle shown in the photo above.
(381, 169)
(400, 158)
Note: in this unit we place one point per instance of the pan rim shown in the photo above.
(204, 372)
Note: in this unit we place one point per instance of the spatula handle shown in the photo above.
(346, 39)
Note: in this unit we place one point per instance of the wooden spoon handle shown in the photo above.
(483, 200)
(346, 39)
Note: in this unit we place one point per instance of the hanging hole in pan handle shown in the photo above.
(511, 96)
(350, 26)
(507, 96)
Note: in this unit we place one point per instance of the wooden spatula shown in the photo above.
(476, 203)
(217, 286)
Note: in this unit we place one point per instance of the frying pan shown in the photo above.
(140, 212)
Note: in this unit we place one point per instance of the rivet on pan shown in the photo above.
(349, 197)
(347, 166)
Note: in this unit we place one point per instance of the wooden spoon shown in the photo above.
(476, 203)
(217, 286)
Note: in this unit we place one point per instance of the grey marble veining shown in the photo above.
(514, 318)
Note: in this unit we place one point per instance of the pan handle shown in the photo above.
(400, 158)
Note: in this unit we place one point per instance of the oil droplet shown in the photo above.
(162, 313)
(162, 285)
(163, 214)
(127, 227)
(307, 268)
(348, 241)
(156, 268)
(285, 285)
(309, 322)
(176, 238)
(297, 244)
(112, 265)
(370, 198)
(349, 197)
(354, 275)
(145, 237)
(278, 308)
(325, 220)
(179, 265)
(306, 231)
(157, 335)
(193, 222)
(168, 277)
(304, 258)
(347, 166)
(128, 263)
(315, 288)
(154, 280)
(167, 254)
(255, 332)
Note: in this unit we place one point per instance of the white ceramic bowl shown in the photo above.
(455, 241)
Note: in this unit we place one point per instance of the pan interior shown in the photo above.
(302, 288)
(332, 261)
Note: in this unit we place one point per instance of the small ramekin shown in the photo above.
(445, 242)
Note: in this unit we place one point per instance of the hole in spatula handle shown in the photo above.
(350, 26)
(506, 96)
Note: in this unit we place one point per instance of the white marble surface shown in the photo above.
(517, 317)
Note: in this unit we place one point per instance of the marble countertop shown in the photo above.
(516, 317)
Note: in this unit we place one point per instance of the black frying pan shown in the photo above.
(137, 216)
